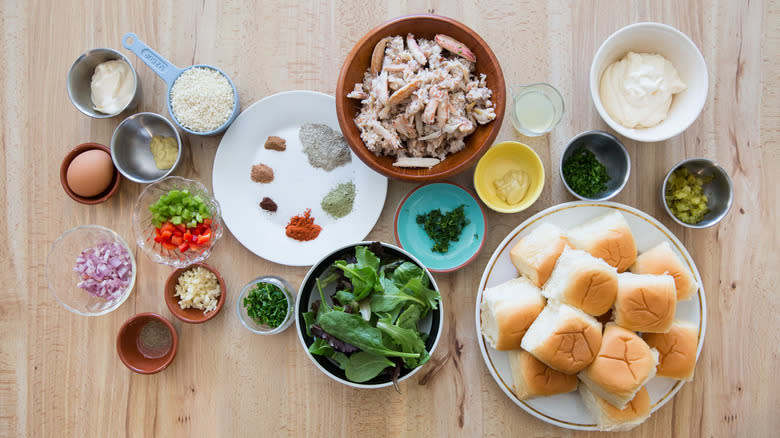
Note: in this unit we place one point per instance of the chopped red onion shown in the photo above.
(105, 270)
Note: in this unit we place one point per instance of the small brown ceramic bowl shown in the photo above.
(192, 316)
(421, 26)
(105, 194)
(138, 356)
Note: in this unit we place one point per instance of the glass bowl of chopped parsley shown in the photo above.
(265, 305)
(595, 166)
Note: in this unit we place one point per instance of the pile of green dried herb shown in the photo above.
(266, 304)
(443, 228)
(584, 173)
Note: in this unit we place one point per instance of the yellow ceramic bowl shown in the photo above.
(500, 159)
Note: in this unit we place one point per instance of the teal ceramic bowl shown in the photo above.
(446, 196)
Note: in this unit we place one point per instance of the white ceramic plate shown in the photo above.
(567, 410)
(296, 185)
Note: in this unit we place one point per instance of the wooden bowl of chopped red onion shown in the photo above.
(90, 270)
(393, 126)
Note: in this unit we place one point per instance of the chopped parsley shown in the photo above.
(584, 173)
(266, 304)
(443, 228)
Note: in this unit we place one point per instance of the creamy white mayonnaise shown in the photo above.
(112, 86)
(637, 90)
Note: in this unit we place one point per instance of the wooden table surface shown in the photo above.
(60, 374)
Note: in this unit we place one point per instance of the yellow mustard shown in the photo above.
(165, 150)
(512, 187)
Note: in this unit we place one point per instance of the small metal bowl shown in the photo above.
(130, 147)
(80, 81)
(719, 191)
(610, 152)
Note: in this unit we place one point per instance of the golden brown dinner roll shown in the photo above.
(645, 302)
(535, 254)
(607, 237)
(582, 281)
(532, 378)
(623, 365)
(563, 337)
(610, 418)
(661, 259)
(676, 350)
(507, 310)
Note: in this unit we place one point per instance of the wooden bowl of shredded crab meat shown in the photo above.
(420, 98)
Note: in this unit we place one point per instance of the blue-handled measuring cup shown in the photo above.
(169, 73)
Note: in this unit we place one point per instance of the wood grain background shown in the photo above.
(59, 373)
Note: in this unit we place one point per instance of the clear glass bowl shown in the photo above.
(63, 280)
(144, 230)
(264, 329)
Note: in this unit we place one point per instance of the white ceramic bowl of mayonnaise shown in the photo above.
(675, 46)
(102, 83)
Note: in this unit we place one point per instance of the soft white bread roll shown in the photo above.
(507, 310)
(607, 237)
(661, 259)
(532, 378)
(534, 255)
(582, 281)
(676, 349)
(622, 367)
(645, 302)
(612, 419)
(563, 337)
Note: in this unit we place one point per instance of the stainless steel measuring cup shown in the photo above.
(169, 73)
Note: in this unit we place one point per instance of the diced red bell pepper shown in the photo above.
(207, 221)
(167, 226)
(176, 240)
(158, 239)
(184, 247)
(167, 245)
(181, 227)
(166, 235)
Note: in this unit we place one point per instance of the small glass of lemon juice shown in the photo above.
(536, 108)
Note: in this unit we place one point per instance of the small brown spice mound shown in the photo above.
(268, 204)
(303, 227)
(262, 173)
(276, 143)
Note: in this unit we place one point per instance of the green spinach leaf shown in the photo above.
(363, 366)
(351, 328)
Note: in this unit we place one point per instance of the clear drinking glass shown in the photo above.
(536, 108)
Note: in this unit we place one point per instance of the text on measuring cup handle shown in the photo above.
(154, 61)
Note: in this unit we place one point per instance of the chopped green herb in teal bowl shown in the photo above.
(442, 224)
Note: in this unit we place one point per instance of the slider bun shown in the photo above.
(610, 418)
(507, 310)
(563, 337)
(582, 281)
(645, 302)
(534, 255)
(661, 259)
(623, 365)
(676, 349)
(532, 378)
(607, 237)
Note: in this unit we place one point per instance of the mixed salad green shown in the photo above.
(372, 325)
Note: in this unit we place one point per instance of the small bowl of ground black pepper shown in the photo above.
(595, 166)
(265, 305)
(147, 343)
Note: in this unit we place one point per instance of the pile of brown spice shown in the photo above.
(275, 143)
(303, 227)
(262, 173)
(268, 204)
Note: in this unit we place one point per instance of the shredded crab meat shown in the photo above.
(423, 101)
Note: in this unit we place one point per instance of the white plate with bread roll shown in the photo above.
(591, 316)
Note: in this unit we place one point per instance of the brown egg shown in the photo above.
(90, 173)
